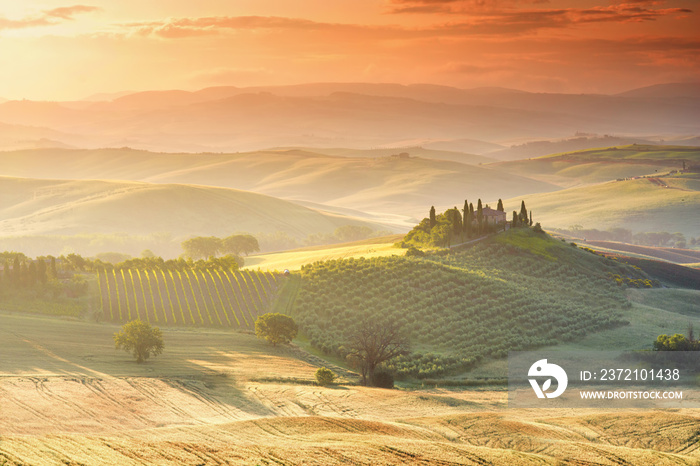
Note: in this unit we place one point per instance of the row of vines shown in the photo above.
(191, 297)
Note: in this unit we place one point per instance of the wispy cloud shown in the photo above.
(186, 27)
(473, 17)
(481, 12)
(47, 17)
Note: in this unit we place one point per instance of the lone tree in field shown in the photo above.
(141, 339)
(276, 328)
(374, 343)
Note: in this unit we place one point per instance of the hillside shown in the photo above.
(603, 164)
(385, 186)
(645, 204)
(517, 290)
(33, 207)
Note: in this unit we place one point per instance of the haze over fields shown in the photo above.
(274, 199)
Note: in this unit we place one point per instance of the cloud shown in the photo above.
(186, 27)
(483, 17)
(47, 17)
(67, 12)
(483, 12)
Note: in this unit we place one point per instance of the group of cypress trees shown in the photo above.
(20, 272)
(460, 225)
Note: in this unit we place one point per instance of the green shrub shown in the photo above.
(325, 376)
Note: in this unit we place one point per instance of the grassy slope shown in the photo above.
(476, 303)
(368, 184)
(639, 205)
(41, 207)
(604, 164)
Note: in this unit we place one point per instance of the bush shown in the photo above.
(383, 379)
(537, 228)
(325, 376)
(276, 328)
(414, 252)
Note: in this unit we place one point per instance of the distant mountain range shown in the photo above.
(358, 115)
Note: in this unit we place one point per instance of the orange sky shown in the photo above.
(58, 50)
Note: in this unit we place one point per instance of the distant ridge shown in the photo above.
(666, 91)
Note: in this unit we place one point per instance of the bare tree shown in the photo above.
(373, 343)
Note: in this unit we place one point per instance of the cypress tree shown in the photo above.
(523, 213)
(41, 271)
(470, 227)
(432, 217)
(31, 274)
(465, 217)
(515, 219)
(16, 273)
(530, 218)
(500, 206)
(479, 216)
(456, 221)
(52, 269)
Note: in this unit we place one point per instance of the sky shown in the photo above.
(70, 50)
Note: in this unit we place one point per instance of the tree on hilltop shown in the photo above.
(465, 217)
(523, 214)
(500, 206)
(479, 217)
(433, 221)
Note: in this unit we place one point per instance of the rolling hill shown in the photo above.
(45, 208)
(644, 204)
(460, 307)
(381, 187)
(603, 164)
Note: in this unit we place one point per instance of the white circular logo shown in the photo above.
(543, 369)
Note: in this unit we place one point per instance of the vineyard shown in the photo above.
(209, 297)
(515, 291)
